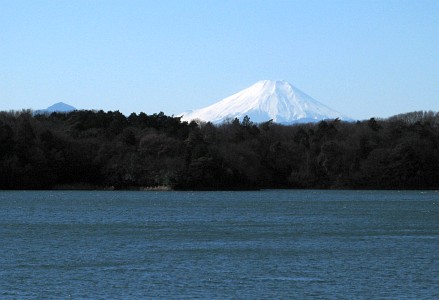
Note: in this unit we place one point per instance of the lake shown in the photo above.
(278, 244)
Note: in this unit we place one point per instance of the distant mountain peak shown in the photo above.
(60, 107)
(265, 100)
(57, 107)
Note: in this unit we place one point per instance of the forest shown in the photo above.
(108, 150)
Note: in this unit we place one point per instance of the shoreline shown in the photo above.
(170, 189)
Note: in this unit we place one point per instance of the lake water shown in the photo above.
(220, 245)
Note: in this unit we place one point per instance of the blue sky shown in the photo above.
(362, 58)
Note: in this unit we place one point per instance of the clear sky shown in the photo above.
(362, 58)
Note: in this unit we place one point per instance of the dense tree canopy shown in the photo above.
(97, 149)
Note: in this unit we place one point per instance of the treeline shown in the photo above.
(98, 149)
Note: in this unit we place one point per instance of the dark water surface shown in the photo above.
(240, 245)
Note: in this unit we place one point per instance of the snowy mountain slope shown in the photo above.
(265, 100)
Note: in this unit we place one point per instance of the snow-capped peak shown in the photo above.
(266, 100)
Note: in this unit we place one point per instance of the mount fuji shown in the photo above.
(266, 100)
